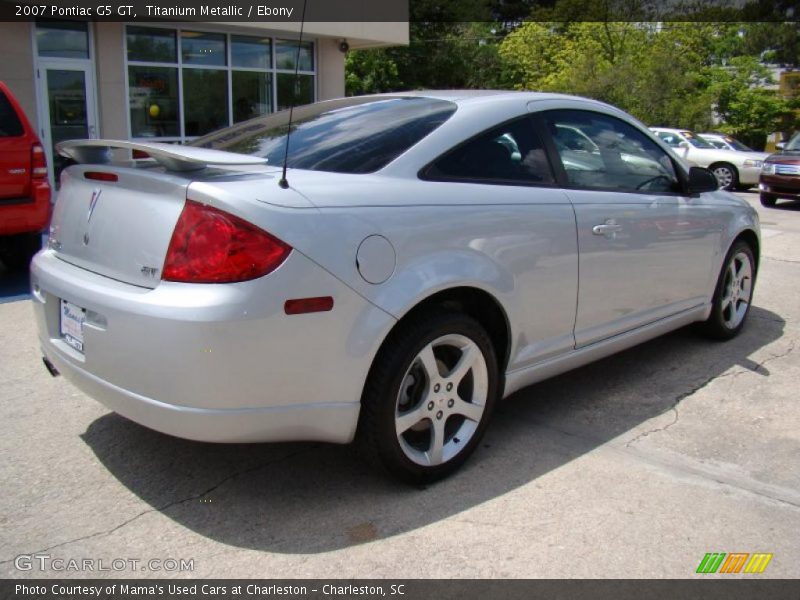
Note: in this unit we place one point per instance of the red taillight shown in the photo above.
(212, 246)
(38, 162)
(139, 154)
(101, 176)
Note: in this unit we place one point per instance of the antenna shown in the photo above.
(283, 182)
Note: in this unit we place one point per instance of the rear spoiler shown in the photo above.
(173, 157)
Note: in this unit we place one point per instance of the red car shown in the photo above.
(24, 188)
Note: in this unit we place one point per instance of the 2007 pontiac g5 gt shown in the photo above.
(427, 254)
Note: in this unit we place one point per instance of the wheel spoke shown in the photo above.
(436, 450)
(726, 301)
(469, 355)
(428, 361)
(471, 411)
(406, 421)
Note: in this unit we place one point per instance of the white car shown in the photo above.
(733, 169)
(725, 142)
(425, 255)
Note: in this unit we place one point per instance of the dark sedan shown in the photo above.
(780, 174)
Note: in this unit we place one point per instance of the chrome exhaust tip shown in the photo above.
(50, 367)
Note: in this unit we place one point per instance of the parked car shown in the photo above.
(733, 169)
(24, 189)
(780, 175)
(725, 142)
(425, 255)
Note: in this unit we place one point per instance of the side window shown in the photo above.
(510, 153)
(10, 125)
(670, 138)
(602, 152)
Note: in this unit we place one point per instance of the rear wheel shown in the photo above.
(16, 251)
(429, 396)
(733, 294)
(767, 199)
(726, 174)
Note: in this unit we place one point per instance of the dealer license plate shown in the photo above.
(72, 320)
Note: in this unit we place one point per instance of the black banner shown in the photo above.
(400, 10)
(403, 589)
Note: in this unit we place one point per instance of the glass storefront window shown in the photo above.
(150, 44)
(304, 90)
(251, 52)
(153, 101)
(286, 53)
(205, 100)
(62, 39)
(185, 83)
(203, 48)
(252, 94)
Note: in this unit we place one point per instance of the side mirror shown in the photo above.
(780, 145)
(701, 180)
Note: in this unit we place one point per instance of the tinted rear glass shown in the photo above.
(10, 125)
(351, 139)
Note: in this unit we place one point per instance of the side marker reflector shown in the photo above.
(301, 306)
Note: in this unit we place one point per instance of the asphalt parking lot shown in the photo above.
(636, 466)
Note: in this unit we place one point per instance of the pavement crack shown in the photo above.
(168, 505)
(786, 260)
(674, 408)
(760, 366)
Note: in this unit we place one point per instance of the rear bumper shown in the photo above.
(217, 363)
(328, 422)
(785, 186)
(28, 215)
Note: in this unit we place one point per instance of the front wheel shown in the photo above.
(727, 176)
(429, 396)
(733, 294)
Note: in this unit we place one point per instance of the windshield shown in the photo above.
(695, 140)
(737, 145)
(794, 143)
(356, 135)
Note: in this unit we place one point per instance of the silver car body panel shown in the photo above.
(224, 363)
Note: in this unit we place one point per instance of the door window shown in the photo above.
(601, 152)
(511, 153)
(10, 125)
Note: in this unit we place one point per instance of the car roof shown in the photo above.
(471, 96)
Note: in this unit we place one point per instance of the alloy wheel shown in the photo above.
(442, 400)
(737, 290)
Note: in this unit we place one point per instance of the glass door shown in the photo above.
(69, 107)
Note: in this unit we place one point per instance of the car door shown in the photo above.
(526, 226)
(645, 249)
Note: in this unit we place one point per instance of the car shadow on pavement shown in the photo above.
(14, 285)
(307, 498)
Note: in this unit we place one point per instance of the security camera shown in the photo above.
(344, 46)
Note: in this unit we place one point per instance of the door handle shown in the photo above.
(610, 226)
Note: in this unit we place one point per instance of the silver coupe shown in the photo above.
(426, 255)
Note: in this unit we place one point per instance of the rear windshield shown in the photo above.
(357, 135)
(10, 125)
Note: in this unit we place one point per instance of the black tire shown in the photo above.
(720, 325)
(17, 251)
(394, 367)
(730, 181)
(767, 200)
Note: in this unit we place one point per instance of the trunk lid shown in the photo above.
(120, 229)
(118, 220)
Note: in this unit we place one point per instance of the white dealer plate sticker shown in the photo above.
(72, 319)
